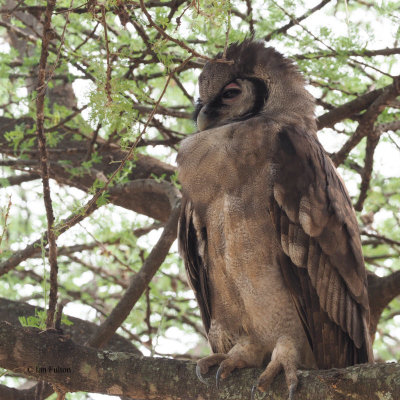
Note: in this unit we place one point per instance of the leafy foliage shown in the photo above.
(94, 106)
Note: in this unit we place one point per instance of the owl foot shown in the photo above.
(227, 363)
(206, 363)
(226, 367)
(283, 357)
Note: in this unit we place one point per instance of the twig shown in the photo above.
(93, 142)
(91, 205)
(183, 89)
(108, 76)
(52, 70)
(67, 119)
(294, 21)
(362, 53)
(139, 281)
(250, 17)
(5, 221)
(194, 53)
(178, 19)
(44, 163)
(147, 317)
(227, 34)
(89, 36)
(59, 229)
(381, 238)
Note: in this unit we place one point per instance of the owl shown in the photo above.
(267, 231)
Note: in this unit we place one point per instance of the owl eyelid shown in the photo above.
(231, 91)
(230, 94)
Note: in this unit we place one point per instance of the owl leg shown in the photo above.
(285, 356)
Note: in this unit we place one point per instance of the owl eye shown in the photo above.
(231, 91)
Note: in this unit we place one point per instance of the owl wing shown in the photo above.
(191, 239)
(322, 262)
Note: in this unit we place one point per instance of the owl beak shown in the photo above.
(203, 120)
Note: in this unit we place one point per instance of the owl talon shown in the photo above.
(292, 390)
(218, 378)
(253, 392)
(200, 376)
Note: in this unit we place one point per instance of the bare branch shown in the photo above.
(59, 229)
(363, 53)
(18, 179)
(372, 142)
(108, 76)
(294, 21)
(368, 120)
(349, 109)
(168, 37)
(44, 163)
(139, 281)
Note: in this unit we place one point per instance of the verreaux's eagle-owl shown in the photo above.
(267, 232)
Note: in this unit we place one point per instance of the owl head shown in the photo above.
(258, 81)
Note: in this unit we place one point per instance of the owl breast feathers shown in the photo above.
(267, 232)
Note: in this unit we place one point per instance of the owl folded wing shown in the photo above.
(321, 262)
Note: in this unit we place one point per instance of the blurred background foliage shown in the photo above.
(108, 65)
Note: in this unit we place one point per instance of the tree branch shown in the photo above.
(60, 228)
(372, 142)
(295, 21)
(44, 163)
(363, 53)
(82, 368)
(18, 179)
(140, 280)
(368, 120)
(381, 291)
(79, 331)
(152, 204)
(349, 109)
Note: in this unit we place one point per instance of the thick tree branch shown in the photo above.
(372, 142)
(150, 203)
(349, 109)
(80, 331)
(18, 179)
(7, 393)
(368, 120)
(38, 354)
(381, 291)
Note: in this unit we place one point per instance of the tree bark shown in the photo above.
(80, 331)
(56, 359)
(145, 201)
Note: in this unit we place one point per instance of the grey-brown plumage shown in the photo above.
(267, 231)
